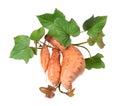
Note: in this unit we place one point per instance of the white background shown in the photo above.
(20, 82)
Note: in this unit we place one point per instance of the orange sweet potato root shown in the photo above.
(73, 65)
(54, 42)
(54, 67)
(44, 57)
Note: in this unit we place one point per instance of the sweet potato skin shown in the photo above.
(73, 65)
(56, 44)
(54, 67)
(44, 57)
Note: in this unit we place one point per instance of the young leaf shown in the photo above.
(92, 40)
(96, 39)
(99, 41)
(37, 34)
(95, 62)
(21, 49)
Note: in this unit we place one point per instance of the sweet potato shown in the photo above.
(44, 57)
(54, 42)
(54, 67)
(73, 65)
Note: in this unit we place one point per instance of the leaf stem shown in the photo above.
(39, 48)
(77, 44)
(86, 50)
(36, 46)
(43, 43)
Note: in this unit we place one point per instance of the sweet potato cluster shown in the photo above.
(63, 71)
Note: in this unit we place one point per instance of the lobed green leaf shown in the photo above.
(95, 62)
(59, 27)
(94, 27)
(21, 49)
(37, 34)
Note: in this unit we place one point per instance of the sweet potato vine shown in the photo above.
(58, 37)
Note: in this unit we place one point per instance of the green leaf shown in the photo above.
(70, 28)
(59, 32)
(61, 37)
(21, 49)
(95, 62)
(62, 29)
(34, 50)
(59, 27)
(58, 14)
(47, 20)
(88, 23)
(99, 23)
(74, 29)
(37, 34)
(94, 27)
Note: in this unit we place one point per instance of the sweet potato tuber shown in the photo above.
(54, 42)
(73, 65)
(54, 67)
(44, 57)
